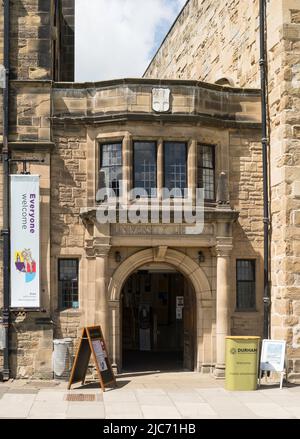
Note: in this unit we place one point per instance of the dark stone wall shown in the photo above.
(41, 40)
(30, 39)
(67, 44)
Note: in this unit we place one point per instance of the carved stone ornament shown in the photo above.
(94, 250)
(161, 99)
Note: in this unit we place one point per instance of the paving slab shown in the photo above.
(119, 397)
(44, 395)
(294, 411)
(154, 399)
(189, 410)
(181, 397)
(160, 412)
(115, 410)
(85, 410)
(16, 405)
(47, 409)
(269, 410)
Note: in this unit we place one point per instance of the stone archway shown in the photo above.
(185, 265)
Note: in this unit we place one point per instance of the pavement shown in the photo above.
(184, 395)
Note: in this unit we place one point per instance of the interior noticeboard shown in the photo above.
(92, 343)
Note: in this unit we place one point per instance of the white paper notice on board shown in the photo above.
(25, 241)
(100, 355)
(273, 355)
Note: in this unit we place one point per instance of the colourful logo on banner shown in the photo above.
(26, 264)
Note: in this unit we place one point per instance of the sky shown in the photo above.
(118, 38)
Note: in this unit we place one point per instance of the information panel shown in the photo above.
(25, 241)
(273, 355)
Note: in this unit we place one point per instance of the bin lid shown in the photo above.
(242, 337)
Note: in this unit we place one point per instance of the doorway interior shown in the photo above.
(157, 321)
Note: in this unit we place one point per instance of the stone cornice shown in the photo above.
(205, 120)
(31, 146)
(155, 83)
(89, 215)
(133, 99)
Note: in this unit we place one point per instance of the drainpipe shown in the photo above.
(265, 142)
(5, 163)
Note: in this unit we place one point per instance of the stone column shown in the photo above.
(160, 165)
(223, 290)
(95, 297)
(127, 163)
(192, 168)
(101, 300)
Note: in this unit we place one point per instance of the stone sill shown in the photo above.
(69, 313)
(249, 313)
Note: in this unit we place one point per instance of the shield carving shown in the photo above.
(161, 99)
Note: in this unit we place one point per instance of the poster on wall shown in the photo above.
(25, 241)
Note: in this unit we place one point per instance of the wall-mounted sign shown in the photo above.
(161, 99)
(180, 301)
(179, 313)
(25, 241)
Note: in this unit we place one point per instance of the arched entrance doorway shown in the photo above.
(203, 300)
(158, 320)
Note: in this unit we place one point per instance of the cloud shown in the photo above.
(117, 38)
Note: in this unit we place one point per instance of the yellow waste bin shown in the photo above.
(242, 354)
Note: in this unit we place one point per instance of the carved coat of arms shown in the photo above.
(161, 99)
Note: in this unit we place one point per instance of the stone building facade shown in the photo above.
(122, 270)
(218, 42)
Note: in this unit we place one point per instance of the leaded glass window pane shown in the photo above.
(206, 171)
(68, 283)
(111, 167)
(246, 285)
(175, 166)
(145, 167)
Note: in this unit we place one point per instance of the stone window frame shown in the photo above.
(127, 138)
(214, 150)
(80, 278)
(181, 142)
(107, 139)
(100, 155)
(256, 282)
(155, 142)
(221, 154)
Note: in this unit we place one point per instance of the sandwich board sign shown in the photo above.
(92, 343)
(273, 357)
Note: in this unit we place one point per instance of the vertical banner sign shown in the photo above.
(25, 241)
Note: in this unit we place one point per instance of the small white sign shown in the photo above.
(273, 355)
(2, 337)
(179, 313)
(2, 76)
(161, 99)
(179, 301)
